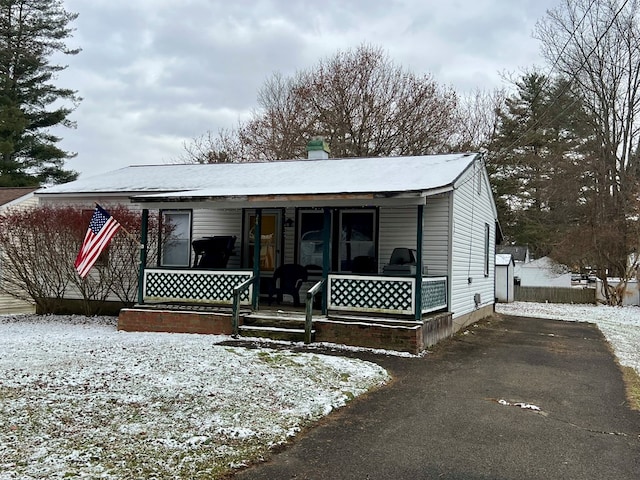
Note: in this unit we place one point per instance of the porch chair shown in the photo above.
(287, 279)
(213, 252)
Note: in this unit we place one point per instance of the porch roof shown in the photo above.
(355, 177)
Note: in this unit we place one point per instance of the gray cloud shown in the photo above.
(156, 73)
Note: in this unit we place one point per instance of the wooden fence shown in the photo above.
(554, 294)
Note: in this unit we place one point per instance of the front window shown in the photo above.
(311, 226)
(357, 241)
(176, 241)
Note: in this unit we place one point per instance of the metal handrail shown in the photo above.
(308, 320)
(237, 291)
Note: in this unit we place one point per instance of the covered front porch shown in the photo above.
(339, 300)
(364, 311)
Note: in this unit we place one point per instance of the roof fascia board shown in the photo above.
(223, 203)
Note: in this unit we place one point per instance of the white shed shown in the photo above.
(505, 266)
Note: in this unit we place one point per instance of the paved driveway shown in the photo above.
(441, 417)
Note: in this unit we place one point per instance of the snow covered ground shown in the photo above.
(620, 325)
(80, 399)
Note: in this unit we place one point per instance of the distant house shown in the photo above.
(543, 272)
(505, 268)
(400, 249)
(519, 253)
(15, 198)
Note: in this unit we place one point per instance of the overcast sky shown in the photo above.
(156, 73)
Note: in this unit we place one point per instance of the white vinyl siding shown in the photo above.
(472, 210)
(211, 223)
(435, 235)
(397, 229)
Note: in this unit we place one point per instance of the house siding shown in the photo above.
(210, 223)
(472, 209)
(8, 303)
(397, 228)
(435, 236)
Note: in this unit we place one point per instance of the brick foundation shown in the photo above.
(370, 335)
(148, 320)
(403, 337)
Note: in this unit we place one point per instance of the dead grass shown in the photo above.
(632, 386)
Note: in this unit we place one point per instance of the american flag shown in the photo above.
(102, 228)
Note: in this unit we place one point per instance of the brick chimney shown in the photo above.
(317, 149)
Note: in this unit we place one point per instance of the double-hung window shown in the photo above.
(176, 239)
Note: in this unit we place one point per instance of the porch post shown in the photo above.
(420, 225)
(257, 237)
(326, 252)
(144, 230)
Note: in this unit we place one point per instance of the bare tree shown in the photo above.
(478, 119)
(39, 246)
(359, 101)
(596, 44)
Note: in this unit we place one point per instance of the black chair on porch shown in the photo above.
(213, 252)
(287, 279)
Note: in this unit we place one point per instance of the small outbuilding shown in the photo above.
(505, 267)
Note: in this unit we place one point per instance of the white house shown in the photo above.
(342, 220)
(543, 272)
(15, 198)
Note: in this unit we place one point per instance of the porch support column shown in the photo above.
(326, 260)
(144, 232)
(257, 237)
(420, 225)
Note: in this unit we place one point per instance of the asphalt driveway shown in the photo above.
(442, 417)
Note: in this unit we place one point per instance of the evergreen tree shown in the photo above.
(536, 166)
(31, 31)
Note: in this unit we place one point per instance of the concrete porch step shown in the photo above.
(275, 324)
(275, 333)
(372, 320)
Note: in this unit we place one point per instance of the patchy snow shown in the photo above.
(620, 325)
(78, 398)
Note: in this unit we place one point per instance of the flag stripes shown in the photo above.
(102, 228)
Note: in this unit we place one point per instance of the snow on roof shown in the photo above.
(287, 177)
(519, 252)
(503, 259)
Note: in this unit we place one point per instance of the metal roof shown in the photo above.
(379, 175)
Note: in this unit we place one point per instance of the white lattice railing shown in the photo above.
(195, 286)
(374, 294)
(434, 294)
(382, 294)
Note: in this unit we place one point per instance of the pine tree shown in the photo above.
(31, 31)
(536, 165)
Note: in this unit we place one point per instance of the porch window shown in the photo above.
(176, 241)
(311, 225)
(357, 240)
